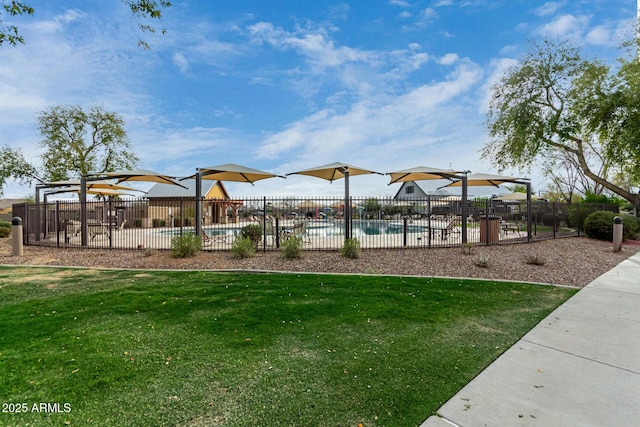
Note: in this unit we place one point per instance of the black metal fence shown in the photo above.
(320, 222)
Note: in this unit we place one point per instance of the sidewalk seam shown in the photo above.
(581, 357)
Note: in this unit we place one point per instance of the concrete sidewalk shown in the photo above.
(578, 367)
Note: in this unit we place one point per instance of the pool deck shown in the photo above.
(321, 235)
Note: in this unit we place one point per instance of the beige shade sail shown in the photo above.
(488, 180)
(112, 192)
(333, 171)
(143, 175)
(422, 173)
(90, 184)
(308, 204)
(226, 172)
(517, 196)
(235, 173)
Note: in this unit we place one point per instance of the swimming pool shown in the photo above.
(323, 228)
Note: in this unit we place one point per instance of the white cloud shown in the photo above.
(399, 3)
(599, 36)
(448, 59)
(565, 26)
(549, 8)
(377, 123)
(181, 62)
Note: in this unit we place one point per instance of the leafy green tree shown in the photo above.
(141, 9)
(14, 165)
(76, 143)
(555, 102)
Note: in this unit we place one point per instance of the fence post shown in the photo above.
(57, 224)
(264, 223)
(429, 222)
(404, 230)
(579, 214)
(554, 220)
(486, 222)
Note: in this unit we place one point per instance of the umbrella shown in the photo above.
(236, 173)
(226, 172)
(333, 171)
(137, 175)
(485, 179)
(90, 185)
(97, 191)
(517, 196)
(421, 173)
(308, 204)
(120, 176)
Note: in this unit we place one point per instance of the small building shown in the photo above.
(428, 201)
(6, 208)
(173, 205)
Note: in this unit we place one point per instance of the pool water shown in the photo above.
(359, 228)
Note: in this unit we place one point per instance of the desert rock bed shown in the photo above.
(569, 261)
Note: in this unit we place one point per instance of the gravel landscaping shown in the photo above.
(569, 261)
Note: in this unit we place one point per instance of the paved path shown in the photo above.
(578, 367)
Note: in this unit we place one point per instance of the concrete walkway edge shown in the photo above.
(580, 366)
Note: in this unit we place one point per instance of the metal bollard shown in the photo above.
(16, 234)
(617, 234)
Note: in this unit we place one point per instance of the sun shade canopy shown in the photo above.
(235, 173)
(139, 175)
(422, 173)
(333, 171)
(488, 180)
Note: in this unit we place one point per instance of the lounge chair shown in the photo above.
(300, 230)
(453, 226)
(269, 231)
(208, 240)
(96, 229)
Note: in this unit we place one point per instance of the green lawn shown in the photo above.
(201, 348)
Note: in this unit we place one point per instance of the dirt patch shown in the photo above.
(569, 261)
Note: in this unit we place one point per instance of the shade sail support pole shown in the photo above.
(347, 206)
(83, 211)
(529, 212)
(465, 196)
(198, 224)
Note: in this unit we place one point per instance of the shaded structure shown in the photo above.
(225, 172)
(421, 173)
(333, 171)
(490, 180)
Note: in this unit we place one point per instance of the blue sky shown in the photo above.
(287, 85)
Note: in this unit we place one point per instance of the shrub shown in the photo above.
(252, 232)
(578, 212)
(185, 245)
(631, 226)
(292, 247)
(466, 248)
(351, 249)
(243, 247)
(534, 259)
(5, 228)
(599, 225)
(157, 222)
(482, 261)
(550, 220)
